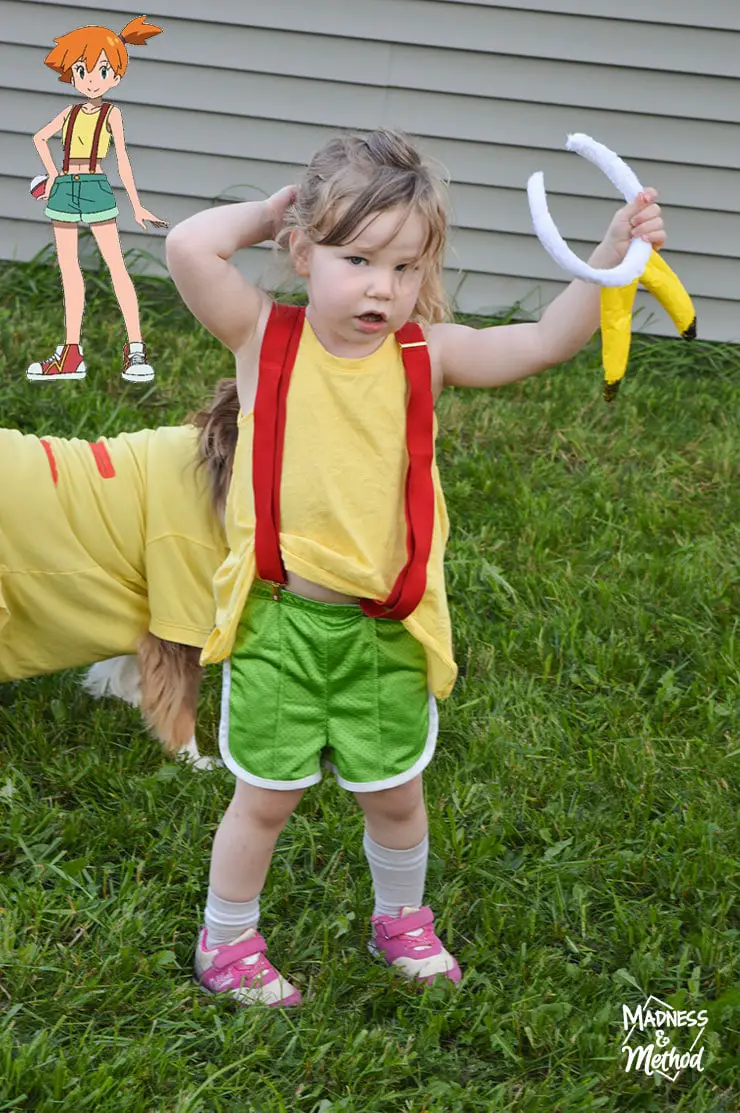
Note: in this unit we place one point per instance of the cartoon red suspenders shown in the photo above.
(104, 110)
(277, 357)
(38, 184)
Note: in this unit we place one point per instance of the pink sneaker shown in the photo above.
(241, 970)
(409, 943)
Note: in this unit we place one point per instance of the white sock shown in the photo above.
(398, 875)
(226, 919)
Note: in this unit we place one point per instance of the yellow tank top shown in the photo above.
(343, 522)
(82, 136)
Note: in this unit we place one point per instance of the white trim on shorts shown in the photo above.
(399, 778)
(314, 778)
(228, 760)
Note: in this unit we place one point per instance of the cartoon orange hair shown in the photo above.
(88, 42)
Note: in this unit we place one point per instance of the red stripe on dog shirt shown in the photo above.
(52, 461)
(103, 460)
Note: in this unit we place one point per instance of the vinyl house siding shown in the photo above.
(234, 96)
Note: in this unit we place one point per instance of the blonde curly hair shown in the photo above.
(354, 176)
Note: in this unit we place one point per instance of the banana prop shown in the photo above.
(641, 264)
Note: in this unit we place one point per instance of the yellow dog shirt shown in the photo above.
(100, 543)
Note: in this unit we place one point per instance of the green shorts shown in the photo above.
(81, 197)
(308, 680)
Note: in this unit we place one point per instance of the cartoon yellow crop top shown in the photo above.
(82, 135)
(343, 519)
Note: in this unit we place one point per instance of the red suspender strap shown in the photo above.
(411, 582)
(68, 136)
(104, 110)
(277, 357)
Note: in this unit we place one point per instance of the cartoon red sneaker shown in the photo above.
(66, 363)
(136, 368)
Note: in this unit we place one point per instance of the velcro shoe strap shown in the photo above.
(235, 951)
(403, 924)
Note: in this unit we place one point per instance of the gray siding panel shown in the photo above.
(337, 105)
(691, 187)
(613, 87)
(233, 98)
(540, 29)
(205, 180)
(720, 14)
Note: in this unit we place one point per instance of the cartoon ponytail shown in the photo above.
(137, 31)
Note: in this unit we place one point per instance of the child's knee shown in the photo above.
(270, 807)
(395, 804)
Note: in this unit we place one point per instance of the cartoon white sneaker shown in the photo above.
(136, 369)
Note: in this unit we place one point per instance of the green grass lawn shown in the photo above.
(582, 801)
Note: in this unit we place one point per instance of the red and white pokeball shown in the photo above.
(37, 186)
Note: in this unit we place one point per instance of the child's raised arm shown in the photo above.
(198, 251)
(502, 354)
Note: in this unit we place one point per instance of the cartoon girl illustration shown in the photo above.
(93, 60)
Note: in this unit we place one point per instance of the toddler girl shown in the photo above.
(332, 618)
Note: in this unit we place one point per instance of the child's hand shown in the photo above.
(641, 219)
(279, 203)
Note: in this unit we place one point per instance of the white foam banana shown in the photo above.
(641, 264)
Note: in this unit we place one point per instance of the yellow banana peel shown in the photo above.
(641, 264)
(666, 287)
(616, 316)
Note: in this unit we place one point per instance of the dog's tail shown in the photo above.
(173, 679)
(120, 676)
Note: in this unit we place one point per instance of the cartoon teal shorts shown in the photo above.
(85, 198)
(308, 680)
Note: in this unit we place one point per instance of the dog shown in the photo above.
(107, 556)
